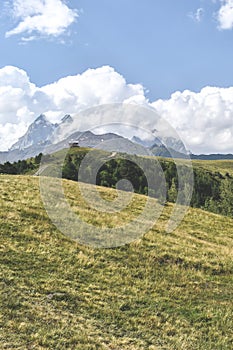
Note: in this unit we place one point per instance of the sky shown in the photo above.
(60, 57)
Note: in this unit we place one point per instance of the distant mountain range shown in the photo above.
(43, 136)
(46, 137)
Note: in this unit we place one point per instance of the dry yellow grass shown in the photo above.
(163, 291)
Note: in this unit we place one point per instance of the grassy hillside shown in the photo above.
(222, 166)
(213, 180)
(212, 190)
(165, 291)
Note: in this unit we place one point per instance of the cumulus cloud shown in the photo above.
(22, 101)
(204, 120)
(225, 15)
(93, 87)
(46, 18)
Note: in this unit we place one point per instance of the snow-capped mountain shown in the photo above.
(66, 119)
(43, 136)
(38, 134)
(42, 133)
(176, 144)
(162, 142)
(146, 143)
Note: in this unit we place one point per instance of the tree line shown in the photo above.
(21, 166)
(212, 191)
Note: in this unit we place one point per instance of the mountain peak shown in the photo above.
(42, 119)
(66, 119)
(146, 143)
(38, 133)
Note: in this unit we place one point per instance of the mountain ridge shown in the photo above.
(44, 136)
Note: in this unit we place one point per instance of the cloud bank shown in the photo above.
(46, 18)
(204, 120)
(22, 101)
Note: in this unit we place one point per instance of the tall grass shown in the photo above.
(164, 291)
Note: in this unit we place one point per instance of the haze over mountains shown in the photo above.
(44, 136)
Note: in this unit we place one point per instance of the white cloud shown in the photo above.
(93, 87)
(43, 18)
(198, 15)
(21, 101)
(203, 120)
(225, 15)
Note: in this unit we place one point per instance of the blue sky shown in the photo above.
(166, 46)
(155, 43)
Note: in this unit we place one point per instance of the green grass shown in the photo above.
(222, 166)
(164, 291)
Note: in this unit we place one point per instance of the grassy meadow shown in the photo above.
(164, 291)
(222, 166)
